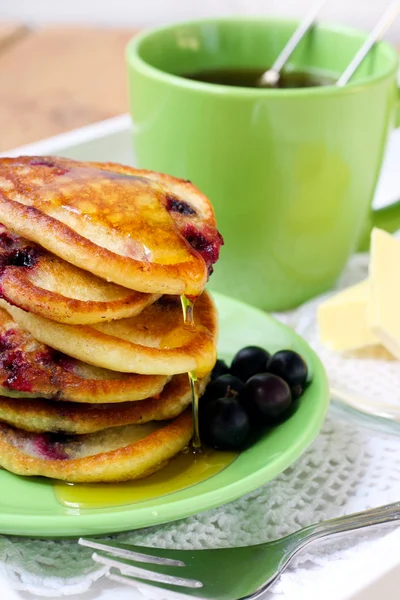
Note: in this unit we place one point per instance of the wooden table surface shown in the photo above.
(54, 79)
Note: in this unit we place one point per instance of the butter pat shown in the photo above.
(383, 311)
(342, 320)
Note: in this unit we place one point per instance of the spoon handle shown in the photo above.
(297, 36)
(383, 24)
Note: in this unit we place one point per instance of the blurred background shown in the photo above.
(136, 13)
(62, 65)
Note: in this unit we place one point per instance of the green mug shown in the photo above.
(291, 172)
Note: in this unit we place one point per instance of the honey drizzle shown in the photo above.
(183, 471)
(188, 319)
(129, 210)
(194, 387)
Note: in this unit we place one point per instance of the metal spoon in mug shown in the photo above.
(271, 77)
(383, 24)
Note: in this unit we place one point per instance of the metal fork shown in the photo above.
(227, 573)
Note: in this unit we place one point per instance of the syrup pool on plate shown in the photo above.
(183, 471)
(188, 319)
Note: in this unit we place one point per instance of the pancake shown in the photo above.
(39, 282)
(41, 416)
(145, 231)
(153, 342)
(116, 454)
(29, 368)
(190, 209)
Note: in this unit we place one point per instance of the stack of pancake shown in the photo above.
(94, 353)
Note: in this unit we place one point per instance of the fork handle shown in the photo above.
(366, 518)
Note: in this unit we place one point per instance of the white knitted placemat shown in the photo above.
(349, 467)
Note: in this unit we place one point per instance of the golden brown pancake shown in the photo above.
(39, 282)
(190, 209)
(29, 368)
(153, 342)
(41, 416)
(116, 454)
(144, 231)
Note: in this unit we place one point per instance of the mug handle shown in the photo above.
(388, 217)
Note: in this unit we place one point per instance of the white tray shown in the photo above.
(373, 574)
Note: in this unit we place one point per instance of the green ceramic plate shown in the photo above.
(28, 506)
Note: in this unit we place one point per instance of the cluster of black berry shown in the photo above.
(257, 389)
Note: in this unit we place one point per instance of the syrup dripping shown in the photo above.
(188, 319)
(183, 471)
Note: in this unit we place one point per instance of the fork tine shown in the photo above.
(135, 556)
(150, 587)
(145, 574)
